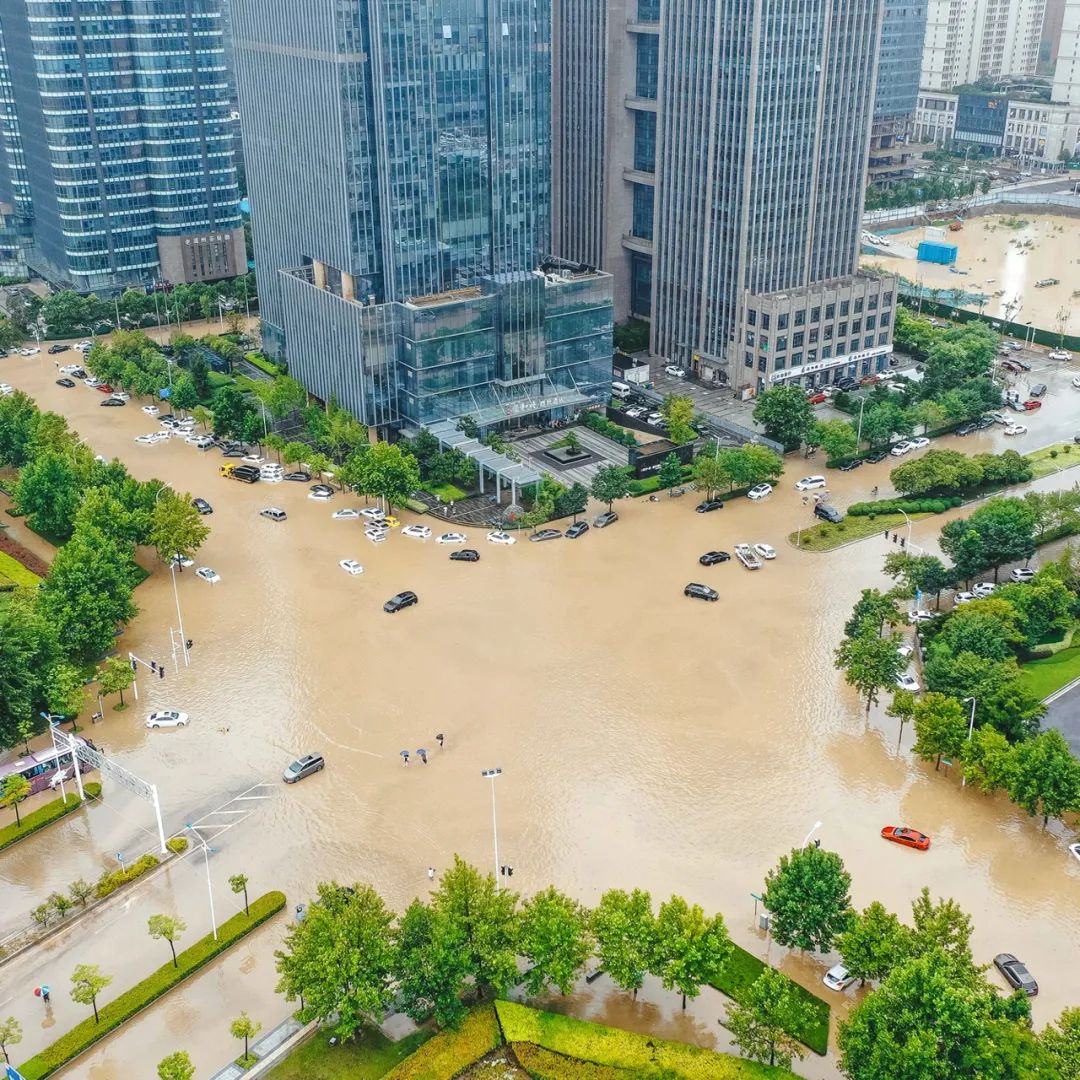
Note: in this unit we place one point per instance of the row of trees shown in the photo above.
(99, 514)
(933, 188)
(946, 472)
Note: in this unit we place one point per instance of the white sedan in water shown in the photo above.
(351, 567)
(766, 551)
(208, 573)
(759, 491)
(152, 438)
(167, 718)
(1016, 429)
(1076, 381)
(6, 389)
(417, 532)
(808, 483)
(451, 538)
(346, 514)
(500, 537)
(150, 410)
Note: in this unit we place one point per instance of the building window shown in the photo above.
(883, 339)
(830, 311)
(845, 307)
(828, 333)
(782, 321)
(780, 363)
(858, 306)
(884, 318)
(643, 211)
(826, 352)
(645, 141)
(762, 364)
(841, 329)
(871, 303)
(800, 317)
(641, 284)
(751, 317)
(868, 341)
(648, 56)
(750, 338)
(763, 343)
(811, 356)
(886, 299)
(765, 320)
(798, 338)
(841, 348)
(748, 360)
(796, 359)
(813, 335)
(815, 315)
(856, 326)
(781, 342)
(871, 322)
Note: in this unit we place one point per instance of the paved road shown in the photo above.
(1063, 713)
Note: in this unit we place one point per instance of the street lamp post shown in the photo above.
(492, 775)
(206, 855)
(176, 591)
(908, 520)
(817, 825)
(971, 728)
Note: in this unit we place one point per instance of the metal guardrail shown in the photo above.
(721, 427)
(1021, 198)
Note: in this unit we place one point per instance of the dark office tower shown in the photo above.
(117, 140)
(398, 156)
(735, 154)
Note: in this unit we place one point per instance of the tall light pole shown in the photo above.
(206, 855)
(492, 775)
(176, 591)
(971, 728)
(817, 825)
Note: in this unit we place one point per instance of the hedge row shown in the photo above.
(109, 882)
(908, 506)
(620, 1049)
(543, 1064)
(603, 426)
(81, 1037)
(262, 363)
(46, 815)
(448, 1053)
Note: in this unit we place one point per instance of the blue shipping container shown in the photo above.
(936, 252)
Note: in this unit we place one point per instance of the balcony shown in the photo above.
(640, 104)
(637, 243)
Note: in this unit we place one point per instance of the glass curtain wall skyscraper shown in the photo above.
(117, 140)
(398, 160)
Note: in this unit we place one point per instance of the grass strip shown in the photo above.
(744, 969)
(46, 815)
(826, 536)
(446, 1054)
(1052, 459)
(16, 573)
(1042, 677)
(81, 1037)
(367, 1057)
(620, 1049)
(543, 1064)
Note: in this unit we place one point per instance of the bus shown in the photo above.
(43, 768)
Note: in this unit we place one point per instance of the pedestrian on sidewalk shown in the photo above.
(405, 757)
(422, 755)
(45, 996)
(439, 739)
(431, 873)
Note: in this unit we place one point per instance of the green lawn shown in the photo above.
(446, 492)
(825, 536)
(1051, 459)
(13, 571)
(366, 1058)
(1043, 677)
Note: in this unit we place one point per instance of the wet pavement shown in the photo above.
(645, 739)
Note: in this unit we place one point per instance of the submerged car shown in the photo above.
(167, 718)
(208, 573)
(465, 555)
(577, 529)
(711, 558)
(901, 834)
(759, 491)
(697, 591)
(609, 517)
(497, 536)
(401, 601)
(1016, 973)
(838, 978)
(303, 767)
(351, 567)
(708, 506)
(545, 534)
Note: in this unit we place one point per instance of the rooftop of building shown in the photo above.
(816, 288)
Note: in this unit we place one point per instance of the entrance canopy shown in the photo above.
(487, 460)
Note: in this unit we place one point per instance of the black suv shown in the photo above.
(402, 600)
(828, 513)
(708, 506)
(54, 349)
(711, 558)
(700, 592)
(465, 555)
(303, 767)
(854, 463)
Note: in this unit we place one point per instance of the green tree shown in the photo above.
(690, 949)
(835, 437)
(239, 883)
(48, 493)
(80, 891)
(572, 501)
(1061, 1040)
(984, 627)
(13, 789)
(941, 724)
(1013, 710)
(243, 1027)
(760, 1023)
(63, 688)
(710, 474)
(28, 647)
(670, 472)
(873, 943)
(902, 708)
(554, 936)
(231, 412)
(1042, 609)
(870, 664)
(177, 527)
(874, 609)
(87, 982)
(965, 547)
(987, 759)
(1044, 777)
(169, 927)
(610, 483)
(807, 896)
(678, 411)
(1005, 528)
(881, 421)
(202, 416)
(430, 966)
(939, 471)
(942, 929)
(392, 473)
(10, 1035)
(60, 904)
(758, 465)
(625, 930)
(184, 396)
(785, 414)
(115, 676)
(340, 958)
(176, 1067)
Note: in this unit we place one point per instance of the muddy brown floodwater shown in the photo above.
(645, 739)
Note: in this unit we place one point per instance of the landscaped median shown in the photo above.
(1045, 676)
(142, 994)
(1052, 459)
(46, 815)
(826, 536)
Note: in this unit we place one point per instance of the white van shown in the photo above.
(620, 390)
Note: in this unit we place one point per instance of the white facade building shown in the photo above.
(1067, 68)
(968, 40)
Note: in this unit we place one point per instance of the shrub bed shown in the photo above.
(110, 881)
(447, 1053)
(81, 1037)
(543, 1064)
(619, 1049)
(908, 506)
(603, 426)
(256, 359)
(26, 559)
(13, 572)
(46, 815)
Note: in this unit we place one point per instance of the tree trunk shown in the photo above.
(93, 1001)
(684, 1002)
(172, 945)
(18, 820)
(247, 910)
(245, 1046)
(937, 764)
(121, 695)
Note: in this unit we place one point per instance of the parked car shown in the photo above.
(919, 616)
(274, 513)
(298, 475)
(54, 349)
(1016, 973)
(207, 573)
(908, 682)
(578, 528)
(850, 466)
(1012, 366)
(351, 567)
(876, 456)
(151, 410)
(497, 536)
(759, 491)
(418, 532)
(65, 382)
(965, 429)
(1022, 574)
(963, 598)
(1031, 405)
(112, 402)
(1059, 354)
(816, 397)
(984, 589)
(808, 483)
(985, 422)
(900, 449)
(321, 491)
(451, 538)
(202, 506)
(920, 443)
(345, 514)
(675, 371)
(711, 558)
(400, 602)
(152, 438)
(766, 551)
(545, 534)
(1016, 429)
(901, 834)
(1076, 382)
(708, 506)
(103, 388)
(6, 389)
(838, 978)
(1038, 390)
(203, 442)
(269, 471)
(608, 517)
(465, 555)
(828, 513)
(183, 561)
(303, 767)
(164, 718)
(697, 591)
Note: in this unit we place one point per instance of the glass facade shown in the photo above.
(648, 65)
(431, 234)
(645, 141)
(117, 132)
(903, 30)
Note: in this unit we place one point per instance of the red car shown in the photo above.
(816, 398)
(869, 380)
(1010, 365)
(900, 834)
(104, 388)
(1032, 404)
